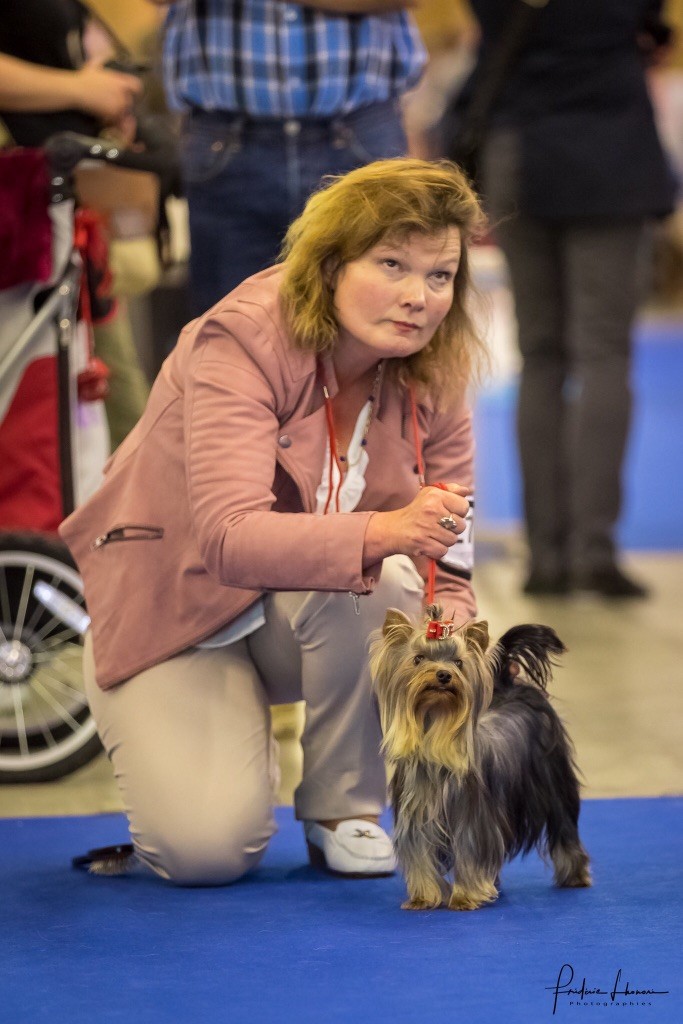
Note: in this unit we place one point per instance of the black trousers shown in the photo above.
(576, 286)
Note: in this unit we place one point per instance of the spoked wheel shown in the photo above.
(46, 729)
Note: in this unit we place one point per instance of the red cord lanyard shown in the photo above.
(334, 455)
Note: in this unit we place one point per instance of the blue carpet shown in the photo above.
(653, 497)
(289, 944)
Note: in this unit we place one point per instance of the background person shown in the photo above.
(48, 84)
(573, 171)
(257, 523)
(276, 95)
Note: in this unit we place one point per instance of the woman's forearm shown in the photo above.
(357, 6)
(32, 87)
(106, 94)
(380, 538)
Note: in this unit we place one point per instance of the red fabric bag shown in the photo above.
(25, 227)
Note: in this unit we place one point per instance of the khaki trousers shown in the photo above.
(128, 386)
(191, 743)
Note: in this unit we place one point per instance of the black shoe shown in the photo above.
(546, 583)
(610, 582)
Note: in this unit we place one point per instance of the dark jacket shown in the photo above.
(578, 96)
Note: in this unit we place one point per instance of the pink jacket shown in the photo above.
(209, 501)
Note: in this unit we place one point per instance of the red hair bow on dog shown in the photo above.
(437, 630)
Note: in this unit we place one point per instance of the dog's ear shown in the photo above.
(477, 635)
(397, 626)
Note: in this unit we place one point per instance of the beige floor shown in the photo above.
(620, 688)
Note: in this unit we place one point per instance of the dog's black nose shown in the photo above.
(443, 677)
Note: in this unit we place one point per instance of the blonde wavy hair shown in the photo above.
(385, 200)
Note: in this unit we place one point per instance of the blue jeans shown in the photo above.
(247, 180)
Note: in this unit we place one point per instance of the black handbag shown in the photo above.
(462, 129)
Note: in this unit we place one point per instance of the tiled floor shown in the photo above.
(620, 688)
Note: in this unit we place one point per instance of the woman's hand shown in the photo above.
(108, 95)
(415, 530)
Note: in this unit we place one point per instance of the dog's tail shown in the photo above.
(532, 647)
(108, 860)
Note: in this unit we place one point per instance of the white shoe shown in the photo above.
(356, 849)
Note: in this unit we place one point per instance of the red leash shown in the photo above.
(431, 576)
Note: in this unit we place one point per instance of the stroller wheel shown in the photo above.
(46, 729)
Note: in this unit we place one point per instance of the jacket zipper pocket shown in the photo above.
(130, 532)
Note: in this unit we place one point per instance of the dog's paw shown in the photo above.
(463, 899)
(463, 903)
(572, 868)
(420, 904)
(580, 880)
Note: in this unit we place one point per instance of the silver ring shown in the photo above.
(448, 523)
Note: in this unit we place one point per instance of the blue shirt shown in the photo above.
(271, 59)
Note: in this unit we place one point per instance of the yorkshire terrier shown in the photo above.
(482, 767)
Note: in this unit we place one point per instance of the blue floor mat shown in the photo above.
(653, 498)
(290, 944)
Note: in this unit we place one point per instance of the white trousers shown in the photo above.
(191, 744)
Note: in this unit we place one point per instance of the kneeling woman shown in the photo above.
(265, 512)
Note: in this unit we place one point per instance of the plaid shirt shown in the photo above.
(269, 58)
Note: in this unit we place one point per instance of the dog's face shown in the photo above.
(430, 691)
